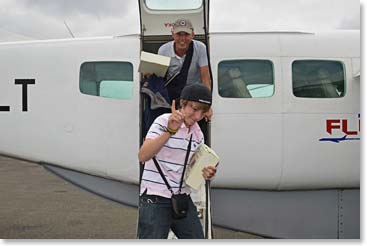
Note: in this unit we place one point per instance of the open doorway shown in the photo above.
(156, 25)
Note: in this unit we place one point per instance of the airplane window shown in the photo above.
(245, 79)
(107, 79)
(318, 79)
(116, 89)
(173, 4)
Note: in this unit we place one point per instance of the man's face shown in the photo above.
(182, 40)
(192, 113)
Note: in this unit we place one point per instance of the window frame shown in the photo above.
(173, 9)
(98, 82)
(319, 60)
(249, 59)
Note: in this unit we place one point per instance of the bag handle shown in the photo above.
(175, 85)
(186, 65)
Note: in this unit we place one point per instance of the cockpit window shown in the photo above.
(173, 4)
(107, 79)
(245, 78)
(318, 79)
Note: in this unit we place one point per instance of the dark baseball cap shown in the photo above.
(197, 93)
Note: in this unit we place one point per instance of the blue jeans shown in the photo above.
(155, 220)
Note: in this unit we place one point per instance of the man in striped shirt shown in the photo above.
(168, 140)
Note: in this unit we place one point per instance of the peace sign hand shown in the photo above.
(176, 118)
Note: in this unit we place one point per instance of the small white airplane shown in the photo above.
(286, 121)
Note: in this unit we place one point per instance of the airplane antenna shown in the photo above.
(71, 33)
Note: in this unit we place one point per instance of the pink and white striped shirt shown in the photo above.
(171, 158)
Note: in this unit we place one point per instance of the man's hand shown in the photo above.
(176, 118)
(209, 172)
(208, 115)
(147, 75)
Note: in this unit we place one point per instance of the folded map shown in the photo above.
(203, 157)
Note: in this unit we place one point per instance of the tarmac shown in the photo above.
(36, 204)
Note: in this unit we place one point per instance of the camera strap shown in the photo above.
(185, 164)
(183, 172)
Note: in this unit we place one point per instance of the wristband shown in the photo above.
(171, 131)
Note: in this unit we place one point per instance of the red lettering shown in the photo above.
(168, 24)
(345, 128)
(332, 124)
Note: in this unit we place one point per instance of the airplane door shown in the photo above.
(107, 115)
(246, 130)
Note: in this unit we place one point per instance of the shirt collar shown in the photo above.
(174, 52)
(192, 128)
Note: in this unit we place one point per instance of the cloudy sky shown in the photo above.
(45, 19)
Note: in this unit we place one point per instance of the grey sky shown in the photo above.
(44, 19)
(287, 15)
